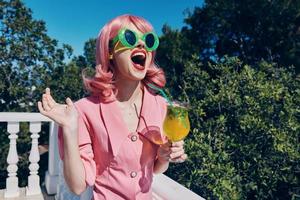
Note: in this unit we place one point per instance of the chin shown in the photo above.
(137, 76)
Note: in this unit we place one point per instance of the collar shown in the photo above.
(150, 120)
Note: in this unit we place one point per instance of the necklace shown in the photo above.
(131, 111)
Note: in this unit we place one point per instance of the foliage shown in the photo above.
(30, 61)
(28, 57)
(244, 142)
(90, 53)
(245, 116)
(174, 49)
(250, 29)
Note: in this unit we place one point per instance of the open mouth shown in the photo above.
(138, 58)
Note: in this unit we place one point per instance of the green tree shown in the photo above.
(252, 30)
(245, 118)
(90, 52)
(244, 142)
(28, 57)
(174, 50)
(30, 61)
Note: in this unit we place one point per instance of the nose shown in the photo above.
(140, 44)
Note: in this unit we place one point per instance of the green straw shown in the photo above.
(161, 91)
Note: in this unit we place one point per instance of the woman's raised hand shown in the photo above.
(64, 114)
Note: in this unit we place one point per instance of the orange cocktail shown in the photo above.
(176, 124)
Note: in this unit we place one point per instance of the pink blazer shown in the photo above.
(118, 163)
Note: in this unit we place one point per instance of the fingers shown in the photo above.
(178, 144)
(69, 102)
(180, 159)
(178, 154)
(45, 103)
(47, 91)
(51, 101)
(41, 109)
(184, 156)
(48, 102)
(176, 149)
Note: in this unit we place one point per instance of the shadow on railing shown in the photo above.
(163, 187)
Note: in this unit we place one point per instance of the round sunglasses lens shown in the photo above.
(130, 37)
(149, 40)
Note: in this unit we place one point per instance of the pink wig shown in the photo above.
(102, 83)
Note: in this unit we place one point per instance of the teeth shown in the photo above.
(139, 54)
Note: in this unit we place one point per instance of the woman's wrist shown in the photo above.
(161, 166)
(162, 160)
(70, 129)
(70, 133)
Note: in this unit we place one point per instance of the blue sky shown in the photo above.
(73, 22)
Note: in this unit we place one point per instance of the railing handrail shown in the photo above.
(174, 190)
(23, 117)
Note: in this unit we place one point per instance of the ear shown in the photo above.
(111, 56)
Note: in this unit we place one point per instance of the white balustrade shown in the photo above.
(33, 190)
(34, 157)
(54, 180)
(12, 189)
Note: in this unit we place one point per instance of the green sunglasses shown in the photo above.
(129, 39)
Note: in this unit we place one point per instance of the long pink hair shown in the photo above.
(102, 83)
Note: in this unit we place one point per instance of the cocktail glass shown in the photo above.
(176, 125)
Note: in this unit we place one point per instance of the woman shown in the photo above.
(112, 140)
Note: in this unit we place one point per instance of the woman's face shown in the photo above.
(131, 64)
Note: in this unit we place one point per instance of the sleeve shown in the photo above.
(85, 150)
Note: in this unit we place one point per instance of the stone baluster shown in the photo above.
(12, 189)
(33, 187)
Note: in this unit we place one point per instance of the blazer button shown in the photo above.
(133, 174)
(133, 138)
